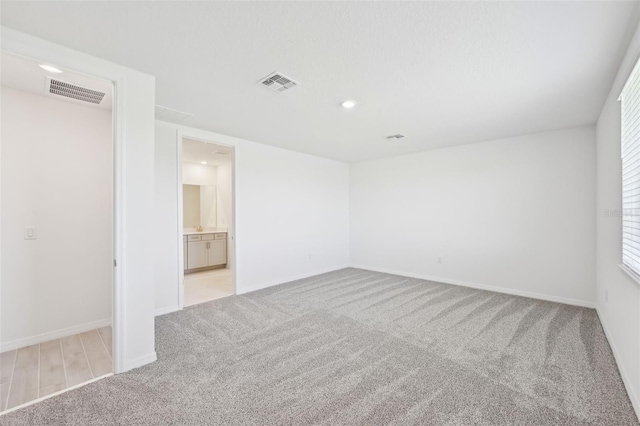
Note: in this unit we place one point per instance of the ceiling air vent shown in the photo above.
(395, 137)
(61, 88)
(278, 82)
(171, 115)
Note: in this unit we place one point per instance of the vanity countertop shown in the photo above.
(206, 231)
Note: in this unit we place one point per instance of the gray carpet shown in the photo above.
(358, 347)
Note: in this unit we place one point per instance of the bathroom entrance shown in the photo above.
(207, 221)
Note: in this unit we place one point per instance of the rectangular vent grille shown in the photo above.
(278, 82)
(57, 87)
(171, 115)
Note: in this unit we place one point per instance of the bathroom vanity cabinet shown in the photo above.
(205, 250)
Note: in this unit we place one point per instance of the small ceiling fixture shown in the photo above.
(395, 137)
(50, 68)
(171, 115)
(348, 104)
(204, 163)
(278, 82)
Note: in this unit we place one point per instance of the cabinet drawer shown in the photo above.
(221, 236)
(194, 238)
(206, 237)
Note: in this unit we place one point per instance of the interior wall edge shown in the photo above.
(626, 379)
(167, 310)
(141, 360)
(262, 286)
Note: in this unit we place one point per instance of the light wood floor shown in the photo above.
(39, 370)
(208, 285)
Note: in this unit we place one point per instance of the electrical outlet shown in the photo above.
(310, 256)
(440, 260)
(30, 233)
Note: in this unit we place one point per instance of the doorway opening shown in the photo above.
(206, 216)
(58, 238)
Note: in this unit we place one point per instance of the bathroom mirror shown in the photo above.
(199, 206)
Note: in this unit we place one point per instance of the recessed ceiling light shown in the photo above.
(348, 104)
(204, 163)
(50, 68)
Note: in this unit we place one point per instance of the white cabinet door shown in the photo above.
(197, 254)
(217, 252)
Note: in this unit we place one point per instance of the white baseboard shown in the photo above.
(140, 361)
(289, 279)
(167, 310)
(52, 335)
(623, 372)
(532, 295)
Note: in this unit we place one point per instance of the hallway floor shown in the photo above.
(204, 286)
(39, 370)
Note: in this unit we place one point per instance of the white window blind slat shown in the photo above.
(630, 150)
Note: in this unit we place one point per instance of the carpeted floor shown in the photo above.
(358, 347)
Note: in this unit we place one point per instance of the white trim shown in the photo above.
(292, 278)
(118, 329)
(167, 310)
(140, 361)
(532, 295)
(623, 372)
(632, 274)
(180, 228)
(51, 395)
(52, 335)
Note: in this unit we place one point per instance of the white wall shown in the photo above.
(291, 216)
(134, 113)
(166, 219)
(225, 204)
(190, 205)
(516, 215)
(225, 195)
(620, 311)
(199, 174)
(58, 176)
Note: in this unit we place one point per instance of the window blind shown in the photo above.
(630, 150)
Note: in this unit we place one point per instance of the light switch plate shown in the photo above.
(30, 233)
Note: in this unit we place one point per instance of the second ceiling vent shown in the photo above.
(278, 82)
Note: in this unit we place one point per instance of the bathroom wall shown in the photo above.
(225, 195)
(199, 174)
(190, 205)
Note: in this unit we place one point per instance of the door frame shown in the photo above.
(24, 45)
(182, 133)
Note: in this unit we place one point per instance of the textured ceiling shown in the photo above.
(442, 73)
